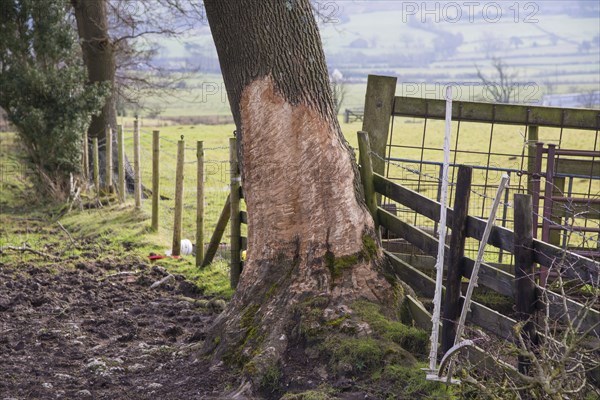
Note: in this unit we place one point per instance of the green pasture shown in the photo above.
(541, 58)
(472, 139)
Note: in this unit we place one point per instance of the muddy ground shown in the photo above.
(85, 333)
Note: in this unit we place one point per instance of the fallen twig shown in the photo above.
(27, 249)
(161, 282)
(68, 234)
(122, 273)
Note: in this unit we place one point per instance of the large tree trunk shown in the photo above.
(99, 57)
(310, 235)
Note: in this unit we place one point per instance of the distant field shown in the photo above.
(540, 58)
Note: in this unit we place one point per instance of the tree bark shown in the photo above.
(310, 235)
(98, 51)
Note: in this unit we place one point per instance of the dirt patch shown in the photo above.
(85, 333)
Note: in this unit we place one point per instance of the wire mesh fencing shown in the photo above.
(415, 151)
(215, 185)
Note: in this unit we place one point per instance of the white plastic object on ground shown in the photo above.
(186, 247)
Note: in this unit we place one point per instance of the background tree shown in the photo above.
(490, 44)
(338, 89)
(589, 98)
(116, 41)
(42, 87)
(515, 41)
(99, 57)
(312, 246)
(501, 86)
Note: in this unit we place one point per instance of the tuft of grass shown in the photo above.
(411, 382)
(363, 355)
(415, 340)
(212, 280)
(355, 354)
(369, 246)
(322, 393)
(270, 380)
(494, 300)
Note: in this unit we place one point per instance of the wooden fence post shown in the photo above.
(532, 138)
(200, 205)
(178, 198)
(85, 157)
(379, 104)
(155, 178)
(455, 257)
(525, 293)
(558, 190)
(121, 163)
(235, 226)
(96, 166)
(109, 161)
(366, 173)
(547, 209)
(137, 177)
(215, 239)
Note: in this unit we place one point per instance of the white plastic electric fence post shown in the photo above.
(437, 299)
(460, 327)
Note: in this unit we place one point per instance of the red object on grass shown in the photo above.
(160, 257)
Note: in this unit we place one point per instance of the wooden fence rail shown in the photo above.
(503, 238)
(510, 114)
(215, 239)
(491, 277)
(522, 245)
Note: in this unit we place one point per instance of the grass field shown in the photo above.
(473, 139)
(216, 141)
(118, 225)
(549, 53)
(112, 232)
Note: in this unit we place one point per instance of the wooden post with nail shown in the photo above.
(96, 166)
(235, 225)
(137, 177)
(121, 163)
(366, 173)
(200, 205)
(176, 249)
(526, 292)
(456, 255)
(85, 158)
(155, 178)
(108, 183)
